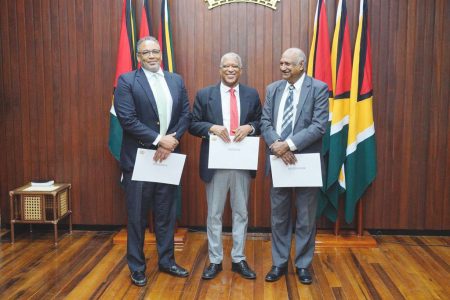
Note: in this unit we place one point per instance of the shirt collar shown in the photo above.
(225, 89)
(149, 74)
(298, 83)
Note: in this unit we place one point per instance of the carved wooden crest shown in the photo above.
(268, 3)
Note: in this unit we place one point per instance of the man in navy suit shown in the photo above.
(230, 111)
(153, 109)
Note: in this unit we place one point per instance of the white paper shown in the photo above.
(305, 173)
(236, 156)
(41, 188)
(168, 171)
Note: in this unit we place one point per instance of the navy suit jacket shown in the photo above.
(207, 112)
(137, 112)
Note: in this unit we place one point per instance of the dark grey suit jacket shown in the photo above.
(137, 112)
(207, 112)
(310, 120)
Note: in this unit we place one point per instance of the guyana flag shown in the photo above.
(126, 61)
(319, 65)
(146, 21)
(341, 71)
(165, 38)
(361, 163)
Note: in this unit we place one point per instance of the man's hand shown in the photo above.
(289, 158)
(241, 132)
(161, 154)
(279, 148)
(168, 142)
(221, 131)
(166, 145)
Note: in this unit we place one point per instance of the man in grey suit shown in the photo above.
(294, 120)
(225, 110)
(153, 109)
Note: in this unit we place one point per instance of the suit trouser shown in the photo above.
(238, 183)
(305, 225)
(140, 197)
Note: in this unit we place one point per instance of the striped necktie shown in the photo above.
(288, 114)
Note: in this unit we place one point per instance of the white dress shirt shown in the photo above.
(296, 95)
(159, 75)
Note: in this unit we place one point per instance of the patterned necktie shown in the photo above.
(161, 103)
(286, 125)
(234, 118)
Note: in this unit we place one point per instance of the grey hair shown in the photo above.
(145, 38)
(233, 55)
(300, 54)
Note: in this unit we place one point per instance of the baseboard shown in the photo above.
(227, 229)
(413, 232)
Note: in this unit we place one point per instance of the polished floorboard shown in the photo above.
(86, 265)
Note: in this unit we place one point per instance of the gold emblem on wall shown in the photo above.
(269, 3)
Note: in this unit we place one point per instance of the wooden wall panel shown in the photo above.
(57, 75)
(57, 69)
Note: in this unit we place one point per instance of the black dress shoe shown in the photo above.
(304, 276)
(138, 278)
(275, 273)
(175, 270)
(243, 269)
(211, 271)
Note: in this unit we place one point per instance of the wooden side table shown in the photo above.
(41, 205)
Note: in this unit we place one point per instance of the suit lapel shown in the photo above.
(278, 94)
(142, 79)
(215, 103)
(244, 103)
(306, 88)
(174, 93)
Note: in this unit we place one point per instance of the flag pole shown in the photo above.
(359, 222)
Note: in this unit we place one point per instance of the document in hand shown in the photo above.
(236, 156)
(168, 171)
(305, 173)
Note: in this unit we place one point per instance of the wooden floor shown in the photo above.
(86, 265)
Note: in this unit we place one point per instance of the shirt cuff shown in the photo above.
(291, 145)
(156, 141)
(253, 129)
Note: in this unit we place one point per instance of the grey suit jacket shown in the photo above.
(310, 120)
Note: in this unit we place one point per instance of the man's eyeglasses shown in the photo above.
(147, 53)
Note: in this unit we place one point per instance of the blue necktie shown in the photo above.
(288, 114)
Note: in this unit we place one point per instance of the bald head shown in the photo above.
(297, 54)
(292, 64)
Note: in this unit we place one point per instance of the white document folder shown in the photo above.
(236, 156)
(168, 171)
(305, 173)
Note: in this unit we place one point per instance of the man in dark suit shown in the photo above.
(153, 109)
(294, 120)
(230, 111)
